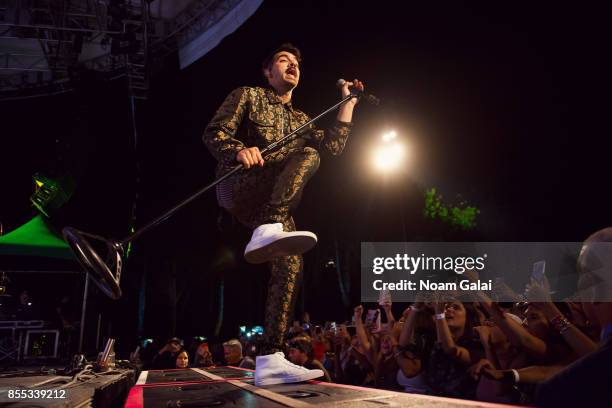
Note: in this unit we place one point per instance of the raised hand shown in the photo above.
(346, 91)
(358, 312)
(538, 290)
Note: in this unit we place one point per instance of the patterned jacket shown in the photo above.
(252, 117)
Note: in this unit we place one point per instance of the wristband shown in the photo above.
(440, 316)
(560, 323)
(516, 375)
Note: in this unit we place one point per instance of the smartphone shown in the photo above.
(377, 325)
(384, 297)
(538, 271)
(371, 316)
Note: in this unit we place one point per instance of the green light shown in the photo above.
(34, 238)
(129, 247)
(51, 194)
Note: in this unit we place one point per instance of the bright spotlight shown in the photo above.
(387, 137)
(388, 157)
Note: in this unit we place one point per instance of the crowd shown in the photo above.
(486, 351)
(541, 353)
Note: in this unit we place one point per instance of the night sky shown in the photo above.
(501, 105)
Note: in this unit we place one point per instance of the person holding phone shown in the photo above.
(381, 357)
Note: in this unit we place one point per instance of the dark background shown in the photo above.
(501, 105)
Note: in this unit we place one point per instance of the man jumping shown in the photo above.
(264, 194)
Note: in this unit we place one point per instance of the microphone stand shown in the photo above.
(107, 273)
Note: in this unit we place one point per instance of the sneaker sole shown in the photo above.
(292, 245)
(311, 375)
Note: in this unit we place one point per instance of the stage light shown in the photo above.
(388, 157)
(50, 194)
(389, 136)
(4, 281)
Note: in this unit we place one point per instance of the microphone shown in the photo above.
(368, 97)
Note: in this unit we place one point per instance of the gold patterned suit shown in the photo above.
(249, 117)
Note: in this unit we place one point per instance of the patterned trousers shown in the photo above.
(268, 194)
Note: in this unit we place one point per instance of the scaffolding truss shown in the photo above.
(44, 44)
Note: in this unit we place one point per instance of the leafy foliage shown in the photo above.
(461, 216)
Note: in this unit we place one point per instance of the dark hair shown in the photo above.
(303, 344)
(283, 47)
(176, 340)
(471, 319)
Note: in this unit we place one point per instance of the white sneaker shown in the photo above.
(270, 241)
(275, 369)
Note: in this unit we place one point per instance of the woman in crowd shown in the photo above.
(351, 365)
(440, 356)
(378, 348)
(416, 333)
(182, 359)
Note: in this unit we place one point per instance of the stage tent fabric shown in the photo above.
(211, 37)
(35, 238)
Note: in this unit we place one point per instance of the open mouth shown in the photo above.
(291, 72)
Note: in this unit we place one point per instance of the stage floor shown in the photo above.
(230, 386)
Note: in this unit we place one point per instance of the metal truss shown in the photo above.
(44, 42)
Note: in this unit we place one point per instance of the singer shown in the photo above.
(264, 194)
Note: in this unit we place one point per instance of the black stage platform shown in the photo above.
(233, 387)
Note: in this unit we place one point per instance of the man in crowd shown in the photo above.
(232, 351)
(301, 353)
(586, 382)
